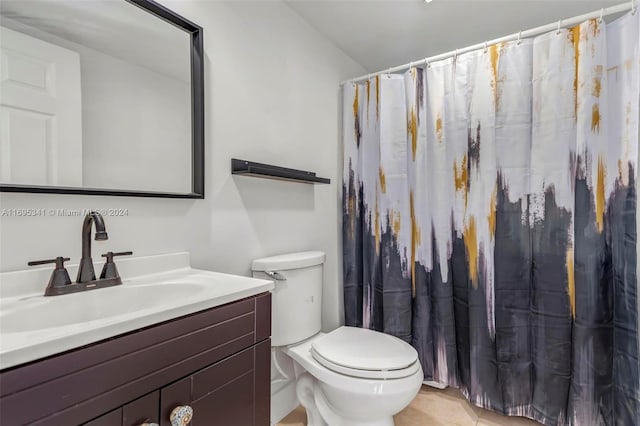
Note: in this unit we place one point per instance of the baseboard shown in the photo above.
(435, 384)
(283, 401)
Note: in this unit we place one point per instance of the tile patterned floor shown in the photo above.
(434, 407)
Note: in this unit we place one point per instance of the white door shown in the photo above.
(40, 112)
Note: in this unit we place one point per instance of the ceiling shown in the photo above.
(380, 34)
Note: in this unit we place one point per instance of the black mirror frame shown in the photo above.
(197, 119)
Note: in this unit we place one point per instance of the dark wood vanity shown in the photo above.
(216, 361)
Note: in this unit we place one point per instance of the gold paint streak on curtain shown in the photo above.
(595, 27)
(600, 199)
(574, 35)
(595, 118)
(470, 238)
(439, 128)
(460, 177)
(494, 56)
(356, 105)
(571, 282)
(368, 88)
(383, 180)
(413, 131)
(396, 221)
(378, 95)
(491, 218)
(597, 84)
(415, 240)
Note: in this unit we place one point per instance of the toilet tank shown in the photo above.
(296, 300)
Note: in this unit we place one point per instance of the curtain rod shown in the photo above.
(630, 5)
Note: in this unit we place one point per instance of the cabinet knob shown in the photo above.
(181, 415)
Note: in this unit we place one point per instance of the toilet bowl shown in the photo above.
(368, 392)
(348, 377)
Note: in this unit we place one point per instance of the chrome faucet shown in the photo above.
(85, 269)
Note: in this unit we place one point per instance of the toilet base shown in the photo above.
(305, 390)
(319, 411)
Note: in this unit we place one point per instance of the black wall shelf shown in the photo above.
(249, 168)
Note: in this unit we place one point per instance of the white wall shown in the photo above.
(275, 94)
(272, 95)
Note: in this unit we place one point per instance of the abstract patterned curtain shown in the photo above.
(490, 221)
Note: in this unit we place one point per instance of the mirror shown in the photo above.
(100, 97)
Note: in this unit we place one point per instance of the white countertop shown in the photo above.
(154, 289)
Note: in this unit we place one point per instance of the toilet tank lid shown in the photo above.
(288, 261)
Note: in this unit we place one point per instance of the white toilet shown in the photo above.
(348, 377)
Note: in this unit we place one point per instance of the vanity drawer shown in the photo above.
(77, 386)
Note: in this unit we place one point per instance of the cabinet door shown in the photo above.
(142, 410)
(229, 392)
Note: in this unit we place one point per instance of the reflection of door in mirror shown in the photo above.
(40, 112)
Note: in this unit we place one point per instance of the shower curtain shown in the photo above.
(489, 206)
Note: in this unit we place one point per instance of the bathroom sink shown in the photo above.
(37, 313)
(155, 289)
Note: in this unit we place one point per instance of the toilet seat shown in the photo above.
(366, 374)
(301, 354)
(365, 354)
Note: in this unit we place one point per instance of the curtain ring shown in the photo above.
(455, 56)
(633, 7)
(559, 26)
(427, 63)
(519, 38)
(486, 47)
(601, 16)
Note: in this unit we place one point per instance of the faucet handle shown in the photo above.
(59, 261)
(110, 255)
(59, 276)
(109, 269)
